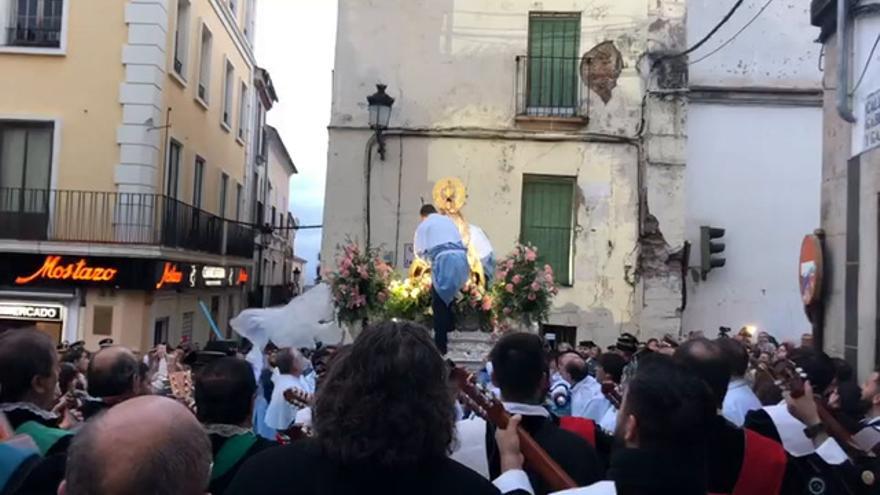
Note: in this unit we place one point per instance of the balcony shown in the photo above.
(118, 218)
(35, 37)
(552, 90)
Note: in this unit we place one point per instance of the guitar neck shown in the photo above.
(538, 460)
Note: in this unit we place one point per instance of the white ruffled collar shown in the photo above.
(225, 430)
(29, 407)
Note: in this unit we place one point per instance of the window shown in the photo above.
(186, 326)
(215, 313)
(554, 43)
(198, 179)
(102, 323)
(230, 314)
(238, 193)
(272, 218)
(160, 331)
(242, 110)
(204, 87)
(548, 221)
(227, 96)
(181, 38)
(560, 334)
(256, 206)
(32, 23)
(25, 154)
(172, 170)
(224, 186)
(233, 7)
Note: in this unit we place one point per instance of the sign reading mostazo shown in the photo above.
(54, 270)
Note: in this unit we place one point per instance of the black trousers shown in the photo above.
(444, 321)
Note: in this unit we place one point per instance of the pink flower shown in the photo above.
(535, 286)
(502, 274)
(531, 255)
(532, 296)
(509, 288)
(382, 296)
(517, 279)
(548, 269)
(509, 265)
(506, 311)
(474, 304)
(487, 303)
(362, 271)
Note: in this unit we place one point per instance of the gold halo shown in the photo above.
(449, 194)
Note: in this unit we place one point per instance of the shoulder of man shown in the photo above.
(760, 421)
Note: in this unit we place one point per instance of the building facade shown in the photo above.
(850, 179)
(564, 119)
(124, 160)
(274, 283)
(753, 164)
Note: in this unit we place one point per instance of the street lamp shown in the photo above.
(380, 113)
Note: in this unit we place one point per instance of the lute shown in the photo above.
(489, 408)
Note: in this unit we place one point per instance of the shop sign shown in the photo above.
(30, 312)
(171, 276)
(80, 271)
(210, 276)
(811, 269)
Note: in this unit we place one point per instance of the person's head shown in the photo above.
(115, 373)
(653, 345)
(807, 340)
(386, 400)
(818, 367)
(843, 371)
(627, 345)
(871, 391)
(763, 338)
(764, 358)
(225, 390)
(290, 361)
(427, 210)
(704, 359)
(610, 367)
(67, 374)
(571, 366)
(665, 407)
(735, 355)
(28, 367)
(782, 352)
(519, 368)
(79, 357)
(164, 451)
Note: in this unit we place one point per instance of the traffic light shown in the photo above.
(709, 249)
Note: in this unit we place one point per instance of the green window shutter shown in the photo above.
(547, 221)
(554, 41)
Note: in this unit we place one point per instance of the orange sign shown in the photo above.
(242, 277)
(52, 269)
(170, 275)
(811, 269)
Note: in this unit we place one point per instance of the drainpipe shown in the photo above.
(843, 61)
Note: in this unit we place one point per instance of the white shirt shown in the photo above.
(433, 231)
(480, 242)
(740, 399)
(280, 413)
(581, 394)
(796, 443)
(596, 408)
(516, 479)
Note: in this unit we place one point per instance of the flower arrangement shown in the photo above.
(360, 286)
(523, 290)
(410, 299)
(475, 304)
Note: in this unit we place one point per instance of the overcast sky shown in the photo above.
(295, 43)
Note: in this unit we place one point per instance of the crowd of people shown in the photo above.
(382, 415)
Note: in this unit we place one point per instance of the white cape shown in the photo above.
(305, 320)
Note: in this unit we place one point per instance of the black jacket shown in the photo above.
(656, 472)
(218, 486)
(302, 468)
(574, 454)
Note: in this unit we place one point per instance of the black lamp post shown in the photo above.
(380, 113)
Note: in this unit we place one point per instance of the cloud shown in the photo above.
(295, 42)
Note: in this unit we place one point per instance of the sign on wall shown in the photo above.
(42, 312)
(811, 269)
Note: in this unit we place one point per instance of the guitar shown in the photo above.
(789, 376)
(489, 408)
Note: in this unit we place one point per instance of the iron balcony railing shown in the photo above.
(118, 218)
(552, 87)
(45, 37)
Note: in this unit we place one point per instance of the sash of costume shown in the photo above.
(232, 451)
(44, 436)
(763, 467)
(582, 427)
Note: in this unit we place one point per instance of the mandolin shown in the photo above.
(489, 408)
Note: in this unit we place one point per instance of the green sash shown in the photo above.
(231, 452)
(44, 436)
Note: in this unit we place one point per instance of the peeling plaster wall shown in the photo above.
(451, 66)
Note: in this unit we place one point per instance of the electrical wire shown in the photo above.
(865, 68)
(708, 36)
(729, 41)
